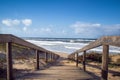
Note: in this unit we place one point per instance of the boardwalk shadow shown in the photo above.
(114, 73)
(95, 77)
(32, 76)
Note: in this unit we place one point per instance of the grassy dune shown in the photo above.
(94, 61)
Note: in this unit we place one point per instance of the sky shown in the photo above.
(60, 18)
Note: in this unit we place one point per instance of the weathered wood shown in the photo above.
(9, 39)
(111, 40)
(58, 72)
(84, 60)
(37, 59)
(105, 57)
(50, 57)
(9, 61)
(91, 45)
(77, 59)
(46, 57)
(17, 40)
(107, 40)
(54, 57)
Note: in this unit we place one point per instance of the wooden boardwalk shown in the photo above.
(63, 70)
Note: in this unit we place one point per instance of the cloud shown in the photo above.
(83, 24)
(45, 30)
(15, 22)
(36, 31)
(95, 29)
(112, 29)
(82, 27)
(10, 22)
(27, 22)
(63, 32)
(42, 30)
(25, 29)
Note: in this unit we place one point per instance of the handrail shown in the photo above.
(107, 40)
(9, 39)
(103, 41)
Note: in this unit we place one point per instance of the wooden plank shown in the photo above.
(50, 57)
(22, 42)
(9, 61)
(84, 60)
(91, 45)
(111, 40)
(58, 72)
(77, 60)
(105, 57)
(11, 38)
(17, 40)
(46, 57)
(37, 59)
(54, 57)
(4, 38)
(107, 40)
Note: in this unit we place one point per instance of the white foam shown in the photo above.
(68, 46)
(71, 47)
(39, 43)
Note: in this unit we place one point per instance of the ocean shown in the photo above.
(67, 45)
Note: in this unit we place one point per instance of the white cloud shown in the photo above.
(37, 31)
(10, 22)
(63, 32)
(7, 22)
(25, 29)
(16, 22)
(83, 24)
(95, 29)
(112, 29)
(45, 30)
(27, 22)
(81, 27)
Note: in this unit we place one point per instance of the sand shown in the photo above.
(94, 69)
(61, 70)
(28, 66)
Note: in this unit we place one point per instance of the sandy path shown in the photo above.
(64, 70)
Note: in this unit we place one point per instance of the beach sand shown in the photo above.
(27, 66)
(93, 68)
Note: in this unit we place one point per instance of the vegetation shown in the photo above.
(92, 56)
(18, 53)
(114, 60)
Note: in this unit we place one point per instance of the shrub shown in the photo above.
(118, 61)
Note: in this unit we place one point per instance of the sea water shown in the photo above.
(67, 45)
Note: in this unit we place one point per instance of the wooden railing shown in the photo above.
(105, 42)
(10, 40)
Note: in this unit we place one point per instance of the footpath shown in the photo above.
(61, 70)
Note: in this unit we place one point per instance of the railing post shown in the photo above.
(105, 57)
(84, 60)
(9, 61)
(54, 56)
(51, 57)
(76, 59)
(37, 59)
(46, 57)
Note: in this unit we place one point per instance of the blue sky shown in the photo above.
(60, 18)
